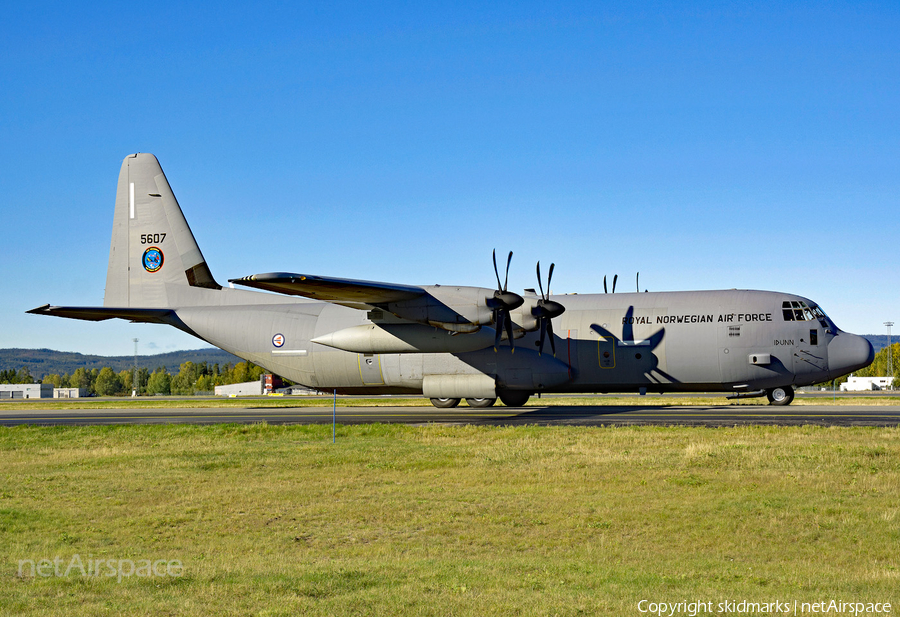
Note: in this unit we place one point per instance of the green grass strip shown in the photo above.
(448, 520)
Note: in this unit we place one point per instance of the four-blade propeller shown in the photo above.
(502, 303)
(615, 278)
(546, 310)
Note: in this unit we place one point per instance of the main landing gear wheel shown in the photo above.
(445, 403)
(481, 402)
(514, 398)
(780, 396)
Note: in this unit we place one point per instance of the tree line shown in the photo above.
(192, 378)
(879, 366)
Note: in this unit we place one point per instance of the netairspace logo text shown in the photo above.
(110, 568)
(823, 607)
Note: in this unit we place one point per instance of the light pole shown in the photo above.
(134, 379)
(890, 354)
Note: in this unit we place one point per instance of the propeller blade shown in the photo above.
(539, 279)
(509, 335)
(604, 285)
(496, 272)
(615, 278)
(550, 332)
(543, 332)
(501, 303)
(547, 309)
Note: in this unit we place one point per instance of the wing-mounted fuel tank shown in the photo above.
(375, 338)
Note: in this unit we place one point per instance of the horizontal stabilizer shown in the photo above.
(102, 313)
(331, 289)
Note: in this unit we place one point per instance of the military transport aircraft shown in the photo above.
(450, 342)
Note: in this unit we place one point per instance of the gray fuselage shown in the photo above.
(731, 340)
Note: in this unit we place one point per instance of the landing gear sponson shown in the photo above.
(783, 395)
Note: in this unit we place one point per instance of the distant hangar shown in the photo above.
(39, 390)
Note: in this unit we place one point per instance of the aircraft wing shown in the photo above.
(348, 292)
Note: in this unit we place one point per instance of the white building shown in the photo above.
(70, 392)
(248, 388)
(862, 384)
(26, 390)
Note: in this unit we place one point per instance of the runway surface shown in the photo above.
(827, 415)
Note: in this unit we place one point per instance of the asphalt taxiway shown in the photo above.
(683, 415)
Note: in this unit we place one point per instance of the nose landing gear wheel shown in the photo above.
(445, 403)
(481, 402)
(780, 396)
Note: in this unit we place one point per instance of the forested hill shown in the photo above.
(42, 362)
(880, 341)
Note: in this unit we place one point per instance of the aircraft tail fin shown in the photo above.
(153, 255)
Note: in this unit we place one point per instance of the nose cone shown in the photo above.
(848, 352)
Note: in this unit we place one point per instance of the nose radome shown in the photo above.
(848, 352)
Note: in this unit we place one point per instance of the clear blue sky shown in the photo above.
(706, 145)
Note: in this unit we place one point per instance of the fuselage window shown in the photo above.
(813, 337)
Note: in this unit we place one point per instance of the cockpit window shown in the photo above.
(822, 317)
(786, 311)
(797, 310)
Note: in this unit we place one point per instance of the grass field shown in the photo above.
(396, 520)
